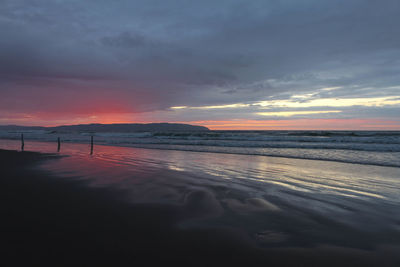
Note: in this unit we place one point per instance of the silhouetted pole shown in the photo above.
(91, 145)
(22, 142)
(58, 144)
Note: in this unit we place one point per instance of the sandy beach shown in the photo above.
(69, 210)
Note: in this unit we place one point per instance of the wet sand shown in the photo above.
(58, 221)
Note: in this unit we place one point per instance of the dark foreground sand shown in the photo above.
(47, 220)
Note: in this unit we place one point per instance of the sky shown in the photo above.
(227, 64)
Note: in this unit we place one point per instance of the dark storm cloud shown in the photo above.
(172, 53)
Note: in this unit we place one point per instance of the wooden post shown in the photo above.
(22, 142)
(91, 145)
(58, 144)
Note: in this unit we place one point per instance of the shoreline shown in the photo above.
(151, 146)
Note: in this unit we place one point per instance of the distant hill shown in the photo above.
(124, 127)
(20, 128)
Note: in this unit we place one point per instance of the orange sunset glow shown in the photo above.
(227, 76)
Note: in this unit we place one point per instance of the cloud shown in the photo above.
(296, 113)
(86, 57)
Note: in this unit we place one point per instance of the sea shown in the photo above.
(380, 148)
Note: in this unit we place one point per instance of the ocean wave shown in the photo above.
(383, 159)
(266, 136)
(377, 148)
(369, 141)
